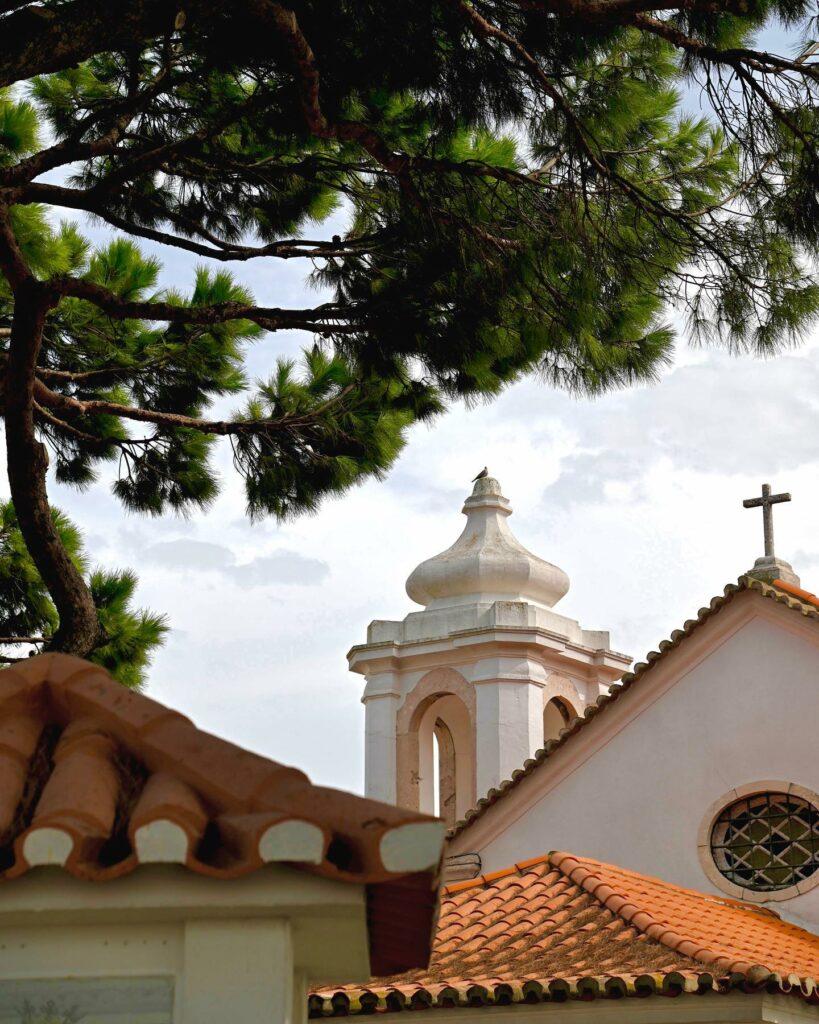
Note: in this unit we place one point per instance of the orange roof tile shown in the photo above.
(569, 927)
(99, 779)
(801, 601)
(803, 595)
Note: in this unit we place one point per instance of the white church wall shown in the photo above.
(509, 726)
(379, 746)
(734, 706)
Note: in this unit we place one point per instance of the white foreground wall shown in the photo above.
(229, 952)
(734, 709)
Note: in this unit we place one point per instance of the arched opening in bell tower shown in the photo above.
(443, 770)
(557, 714)
(445, 758)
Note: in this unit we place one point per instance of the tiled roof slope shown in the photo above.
(801, 601)
(99, 779)
(564, 927)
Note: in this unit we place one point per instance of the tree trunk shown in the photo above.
(79, 631)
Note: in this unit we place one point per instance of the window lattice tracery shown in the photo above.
(767, 841)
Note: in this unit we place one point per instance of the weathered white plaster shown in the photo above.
(734, 706)
(244, 950)
(161, 842)
(488, 636)
(292, 840)
(44, 846)
(379, 745)
(239, 971)
(455, 714)
(412, 847)
(509, 727)
(487, 562)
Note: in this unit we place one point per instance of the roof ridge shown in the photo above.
(665, 884)
(780, 594)
(579, 871)
(191, 777)
(576, 928)
(492, 876)
(803, 595)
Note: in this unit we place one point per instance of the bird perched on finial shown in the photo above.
(483, 473)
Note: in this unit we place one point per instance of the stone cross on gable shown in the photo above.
(767, 501)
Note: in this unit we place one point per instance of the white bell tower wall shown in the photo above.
(460, 694)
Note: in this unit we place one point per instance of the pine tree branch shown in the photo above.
(326, 318)
(99, 376)
(54, 421)
(8, 640)
(656, 210)
(85, 407)
(740, 61)
(620, 11)
(756, 60)
(73, 148)
(225, 252)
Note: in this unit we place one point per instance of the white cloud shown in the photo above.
(184, 553)
(280, 566)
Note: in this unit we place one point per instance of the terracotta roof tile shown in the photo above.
(626, 934)
(98, 779)
(798, 600)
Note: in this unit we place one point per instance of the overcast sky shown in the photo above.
(638, 496)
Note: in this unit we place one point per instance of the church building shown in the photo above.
(623, 845)
(529, 733)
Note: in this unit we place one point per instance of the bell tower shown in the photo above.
(460, 694)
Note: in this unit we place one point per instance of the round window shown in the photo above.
(767, 841)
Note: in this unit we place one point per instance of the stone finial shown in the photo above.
(486, 563)
(769, 567)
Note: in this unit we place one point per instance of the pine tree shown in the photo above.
(523, 189)
(28, 615)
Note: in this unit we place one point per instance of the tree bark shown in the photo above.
(39, 40)
(79, 631)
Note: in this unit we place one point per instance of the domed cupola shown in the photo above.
(481, 675)
(486, 563)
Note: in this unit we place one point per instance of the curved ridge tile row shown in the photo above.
(98, 779)
(802, 601)
(565, 927)
(490, 993)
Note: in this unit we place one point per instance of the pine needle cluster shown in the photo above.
(524, 190)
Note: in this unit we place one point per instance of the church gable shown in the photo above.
(710, 718)
(794, 598)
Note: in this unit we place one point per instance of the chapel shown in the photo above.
(528, 733)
